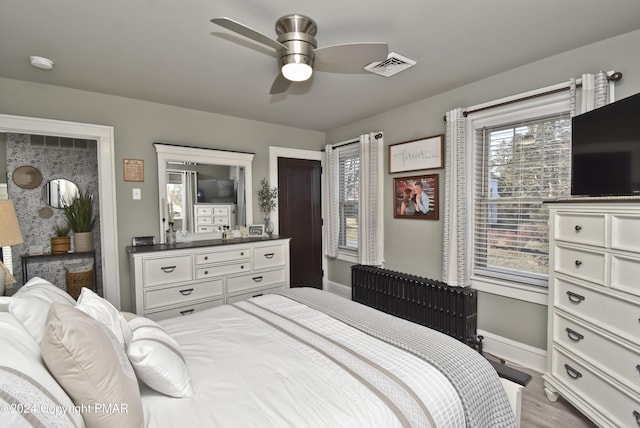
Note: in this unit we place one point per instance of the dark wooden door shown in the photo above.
(300, 218)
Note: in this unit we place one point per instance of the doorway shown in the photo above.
(300, 218)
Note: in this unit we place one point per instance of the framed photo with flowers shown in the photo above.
(416, 197)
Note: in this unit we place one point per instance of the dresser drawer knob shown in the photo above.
(575, 298)
(206, 272)
(258, 295)
(574, 335)
(269, 255)
(206, 257)
(168, 269)
(636, 414)
(578, 228)
(187, 312)
(242, 253)
(578, 263)
(573, 373)
(186, 292)
(638, 367)
(241, 266)
(257, 278)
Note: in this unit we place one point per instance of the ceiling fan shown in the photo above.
(298, 50)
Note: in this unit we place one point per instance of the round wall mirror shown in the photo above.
(58, 191)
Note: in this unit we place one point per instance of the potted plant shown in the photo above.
(61, 241)
(78, 213)
(267, 200)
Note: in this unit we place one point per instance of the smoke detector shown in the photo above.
(394, 64)
(41, 62)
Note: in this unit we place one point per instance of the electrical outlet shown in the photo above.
(137, 194)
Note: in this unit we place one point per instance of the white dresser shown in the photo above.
(593, 351)
(213, 217)
(180, 280)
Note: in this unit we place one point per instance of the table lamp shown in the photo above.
(9, 235)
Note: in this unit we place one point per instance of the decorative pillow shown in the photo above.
(157, 359)
(44, 289)
(87, 361)
(101, 310)
(25, 383)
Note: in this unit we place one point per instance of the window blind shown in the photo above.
(518, 166)
(349, 191)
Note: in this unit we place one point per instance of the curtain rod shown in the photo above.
(614, 78)
(377, 137)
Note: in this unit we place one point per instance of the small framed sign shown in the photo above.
(134, 170)
(424, 153)
(256, 229)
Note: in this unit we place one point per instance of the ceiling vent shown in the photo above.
(394, 64)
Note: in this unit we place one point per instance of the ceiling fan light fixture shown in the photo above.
(296, 69)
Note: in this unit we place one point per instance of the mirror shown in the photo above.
(58, 191)
(201, 191)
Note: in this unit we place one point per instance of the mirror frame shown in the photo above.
(170, 152)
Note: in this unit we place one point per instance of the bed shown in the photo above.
(300, 358)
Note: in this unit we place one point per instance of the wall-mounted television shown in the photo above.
(216, 190)
(605, 150)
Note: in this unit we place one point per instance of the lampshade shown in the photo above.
(9, 229)
(297, 72)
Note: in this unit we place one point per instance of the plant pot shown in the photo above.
(82, 241)
(60, 244)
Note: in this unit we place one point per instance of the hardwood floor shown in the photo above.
(539, 412)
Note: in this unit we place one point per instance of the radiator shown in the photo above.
(450, 310)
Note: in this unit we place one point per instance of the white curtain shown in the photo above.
(332, 227)
(190, 190)
(594, 93)
(371, 221)
(240, 192)
(454, 264)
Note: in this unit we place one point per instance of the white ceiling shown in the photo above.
(167, 51)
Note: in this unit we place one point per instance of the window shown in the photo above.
(349, 197)
(518, 164)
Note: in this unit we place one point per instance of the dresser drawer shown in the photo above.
(204, 211)
(625, 274)
(588, 229)
(618, 406)
(255, 280)
(183, 310)
(588, 265)
(220, 270)
(209, 257)
(264, 257)
(221, 221)
(167, 270)
(255, 293)
(182, 295)
(618, 360)
(204, 220)
(207, 229)
(220, 211)
(625, 232)
(621, 315)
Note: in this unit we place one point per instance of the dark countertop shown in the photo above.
(199, 244)
(593, 199)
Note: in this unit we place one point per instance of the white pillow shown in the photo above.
(44, 289)
(157, 359)
(31, 303)
(87, 361)
(101, 310)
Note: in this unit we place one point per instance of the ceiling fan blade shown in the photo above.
(357, 54)
(280, 85)
(245, 31)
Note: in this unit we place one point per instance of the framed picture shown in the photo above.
(424, 153)
(133, 170)
(416, 197)
(256, 229)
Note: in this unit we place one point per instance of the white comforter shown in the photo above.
(273, 362)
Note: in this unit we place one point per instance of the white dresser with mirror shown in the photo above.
(181, 279)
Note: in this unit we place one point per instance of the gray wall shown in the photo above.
(137, 124)
(518, 320)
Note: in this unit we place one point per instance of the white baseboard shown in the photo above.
(514, 352)
(339, 289)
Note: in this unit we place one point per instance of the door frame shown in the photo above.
(286, 152)
(104, 135)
